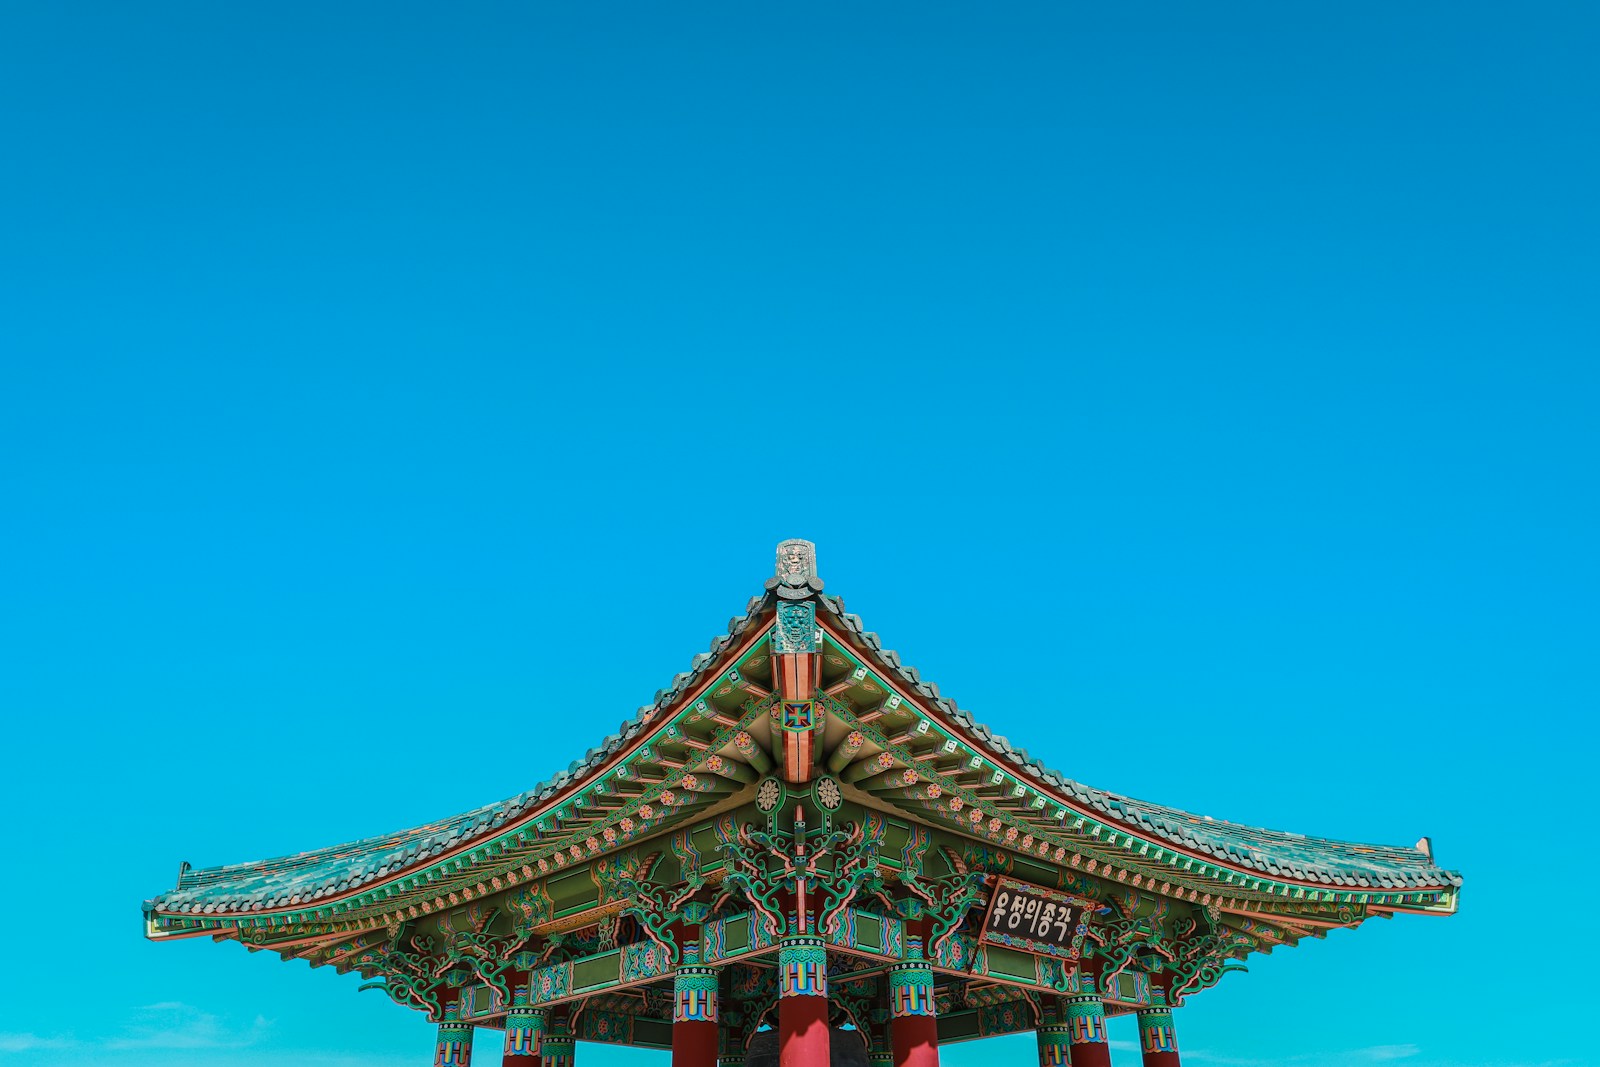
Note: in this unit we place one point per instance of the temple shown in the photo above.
(802, 848)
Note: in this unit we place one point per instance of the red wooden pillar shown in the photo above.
(1157, 1039)
(880, 1050)
(694, 1011)
(730, 1045)
(803, 1002)
(1086, 1020)
(524, 1031)
(914, 1023)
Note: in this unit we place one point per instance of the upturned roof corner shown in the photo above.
(892, 736)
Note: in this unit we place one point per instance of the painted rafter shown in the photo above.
(563, 818)
(922, 722)
(1191, 919)
(448, 884)
(1077, 856)
(565, 825)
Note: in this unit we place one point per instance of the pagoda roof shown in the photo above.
(325, 876)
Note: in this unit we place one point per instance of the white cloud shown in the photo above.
(173, 1025)
(31, 1042)
(1223, 1060)
(167, 1025)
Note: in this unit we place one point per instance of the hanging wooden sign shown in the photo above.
(1031, 918)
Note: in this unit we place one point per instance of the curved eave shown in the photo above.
(1092, 812)
(485, 849)
(362, 871)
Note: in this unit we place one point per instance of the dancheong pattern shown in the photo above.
(1156, 1033)
(552, 983)
(955, 953)
(1086, 1019)
(696, 997)
(1006, 1018)
(800, 803)
(694, 989)
(611, 1027)
(911, 983)
(1054, 1042)
(796, 629)
(911, 992)
(558, 1049)
(645, 959)
(524, 1025)
(454, 1048)
(802, 967)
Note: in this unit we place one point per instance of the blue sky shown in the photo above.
(394, 397)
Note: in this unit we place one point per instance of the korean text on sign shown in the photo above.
(1023, 914)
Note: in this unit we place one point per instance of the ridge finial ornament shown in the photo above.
(796, 574)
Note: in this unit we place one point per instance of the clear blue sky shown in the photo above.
(394, 397)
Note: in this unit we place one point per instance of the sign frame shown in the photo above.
(1006, 889)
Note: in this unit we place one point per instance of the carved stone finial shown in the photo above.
(797, 562)
(796, 576)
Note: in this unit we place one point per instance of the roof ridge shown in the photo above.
(1305, 858)
(401, 848)
(1108, 802)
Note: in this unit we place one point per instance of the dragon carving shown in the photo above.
(946, 900)
(405, 963)
(1200, 959)
(626, 877)
(853, 855)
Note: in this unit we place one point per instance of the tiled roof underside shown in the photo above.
(308, 877)
(1273, 852)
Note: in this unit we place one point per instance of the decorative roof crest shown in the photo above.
(796, 576)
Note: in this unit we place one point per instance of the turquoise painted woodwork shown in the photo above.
(665, 876)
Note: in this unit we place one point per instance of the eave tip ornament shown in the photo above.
(796, 575)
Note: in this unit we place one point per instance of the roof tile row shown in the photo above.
(1320, 860)
(311, 876)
